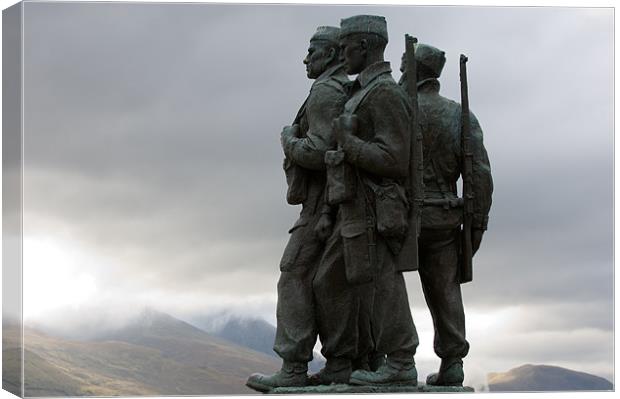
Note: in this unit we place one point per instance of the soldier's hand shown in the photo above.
(291, 131)
(287, 133)
(476, 239)
(343, 126)
(323, 227)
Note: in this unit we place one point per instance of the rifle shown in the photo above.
(466, 270)
(408, 255)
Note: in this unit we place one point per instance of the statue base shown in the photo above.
(345, 388)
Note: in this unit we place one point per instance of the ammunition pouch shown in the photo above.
(340, 178)
(360, 256)
(303, 247)
(391, 209)
(296, 181)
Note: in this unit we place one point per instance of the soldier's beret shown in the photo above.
(431, 57)
(364, 24)
(328, 33)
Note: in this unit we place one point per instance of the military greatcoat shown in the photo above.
(440, 122)
(360, 317)
(296, 320)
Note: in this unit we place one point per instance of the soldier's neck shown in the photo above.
(373, 59)
(428, 84)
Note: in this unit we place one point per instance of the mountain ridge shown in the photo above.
(159, 355)
(534, 378)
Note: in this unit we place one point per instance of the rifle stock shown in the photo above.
(466, 262)
(408, 256)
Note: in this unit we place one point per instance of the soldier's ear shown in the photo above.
(332, 55)
(363, 46)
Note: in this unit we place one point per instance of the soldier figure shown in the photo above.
(442, 213)
(362, 301)
(304, 144)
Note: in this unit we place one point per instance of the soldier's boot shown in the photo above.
(336, 371)
(376, 360)
(290, 375)
(450, 373)
(392, 372)
(360, 363)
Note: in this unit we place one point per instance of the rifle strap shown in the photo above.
(301, 112)
(354, 102)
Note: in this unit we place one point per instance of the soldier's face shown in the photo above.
(352, 54)
(317, 59)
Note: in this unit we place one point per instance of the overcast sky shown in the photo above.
(153, 169)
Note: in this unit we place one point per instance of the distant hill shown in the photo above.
(546, 378)
(155, 355)
(255, 334)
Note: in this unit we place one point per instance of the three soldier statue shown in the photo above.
(375, 164)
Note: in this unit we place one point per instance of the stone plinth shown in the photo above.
(345, 388)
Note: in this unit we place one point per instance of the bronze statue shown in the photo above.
(375, 165)
(304, 144)
(371, 224)
(442, 258)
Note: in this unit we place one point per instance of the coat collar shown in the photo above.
(372, 71)
(328, 73)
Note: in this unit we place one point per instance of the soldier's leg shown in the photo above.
(338, 311)
(296, 330)
(393, 327)
(442, 291)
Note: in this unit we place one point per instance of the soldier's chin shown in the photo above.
(350, 70)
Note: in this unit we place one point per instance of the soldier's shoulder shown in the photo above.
(387, 86)
(336, 83)
(327, 92)
(456, 106)
(447, 102)
(435, 102)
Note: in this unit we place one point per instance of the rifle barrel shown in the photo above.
(466, 271)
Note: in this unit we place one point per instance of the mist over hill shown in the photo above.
(253, 333)
(155, 354)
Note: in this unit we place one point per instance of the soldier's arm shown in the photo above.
(324, 104)
(387, 154)
(482, 180)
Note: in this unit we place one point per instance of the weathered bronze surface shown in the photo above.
(441, 240)
(374, 165)
(304, 144)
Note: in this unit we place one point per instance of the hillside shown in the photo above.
(545, 378)
(155, 355)
(255, 334)
(158, 355)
